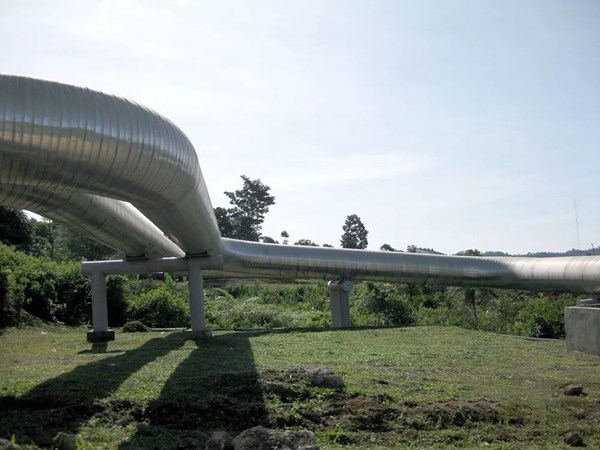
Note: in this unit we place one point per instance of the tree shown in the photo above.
(327, 245)
(285, 235)
(250, 204)
(355, 233)
(268, 240)
(387, 248)
(224, 222)
(306, 242)
(15, 228)
(44, 235)
(75, 246)
(470, 252)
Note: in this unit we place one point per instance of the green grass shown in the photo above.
(420, 387)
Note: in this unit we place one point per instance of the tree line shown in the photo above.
(243, 219)
(246, 215)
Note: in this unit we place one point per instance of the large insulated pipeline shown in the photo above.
(95, 151)
(116, 224)
(579, 274)
(57, 136)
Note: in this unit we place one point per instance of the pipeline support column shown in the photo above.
(100, 331)
(196, 290)
(339, 304)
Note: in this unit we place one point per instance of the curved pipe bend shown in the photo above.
(57, 136)
(113, 223)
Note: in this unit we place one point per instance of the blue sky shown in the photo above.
(451, 125)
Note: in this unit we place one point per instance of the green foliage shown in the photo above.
(250, 204)
(543, 318)
(9, 312)
(383, 304)
(15, 228)
(161, 308)
(45, 289)
(77, 247)
(117, 299)
(469, 252)
(43, 238)
(355, 233)
(267, 306)
(503, 311)
(73, 295)
(306, 242)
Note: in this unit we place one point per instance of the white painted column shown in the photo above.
(100, 331)
(99, 307)
(339, 304)
(196, 292)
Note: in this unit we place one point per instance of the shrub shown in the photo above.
(543, 317)
(384, 304)
(73, 295)
(9, 313)
(159, 308)
(117, 299)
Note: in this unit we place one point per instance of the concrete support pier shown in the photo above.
(339, 304)
(196, 290)
(582, 326)
(100, 331)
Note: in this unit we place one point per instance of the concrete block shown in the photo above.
(100, 336)
(198, 335)
(582, 325)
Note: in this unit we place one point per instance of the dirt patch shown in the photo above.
(381, 413)
(457, 413)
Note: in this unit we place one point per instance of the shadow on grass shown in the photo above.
(216, 387)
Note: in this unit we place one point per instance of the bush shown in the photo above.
(384, 304)
(45, 289)
(117, 299)
(267, 306)
(73, 295)
(9, 313)
(159, 308)
(544, 317)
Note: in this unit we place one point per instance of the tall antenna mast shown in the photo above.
(577, 224)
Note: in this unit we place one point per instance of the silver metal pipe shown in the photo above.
(110, 222)
(573, 274)
(151, 265)
(54, 135)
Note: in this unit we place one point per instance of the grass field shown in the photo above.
(421, 387)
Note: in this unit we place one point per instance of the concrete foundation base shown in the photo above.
(198, 335)
(582, 325)
(100, 336)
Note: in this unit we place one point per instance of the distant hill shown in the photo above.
(572, 252)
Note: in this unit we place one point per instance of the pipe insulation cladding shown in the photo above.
(56, 136)
(84, 158)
